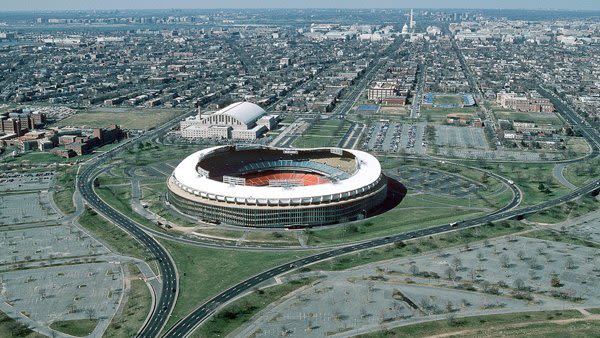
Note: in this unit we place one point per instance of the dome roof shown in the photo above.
(245, 112)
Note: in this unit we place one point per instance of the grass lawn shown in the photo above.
(64, 190)
(448, 99)
(38, 157)
(10, 328)
(537, 118)
(152, 193)
(583, 172)
(137, 306)
(419, 210)
(323, 133)
(136, 157)
(394, 221)
(77, 328)
(422, 245)
(556, 236)
(535, 180)
(205, 272)
(566, 210)
(240, 311)
(496, 326)
(112, 236)
(134, 118)
(578, 145)
(119, 197)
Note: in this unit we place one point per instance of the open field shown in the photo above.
(537, 118)
(566, 211)
(437, 194)
(535, 180)
(77, 328)
(393, 221)
(134, 118)
(583, 172)
(323, 133)
(215, 270)
(577, 145)
(240, 311)
(64, 190)
(119, 197)
(448, 99)
(38, 157)
(135, 309)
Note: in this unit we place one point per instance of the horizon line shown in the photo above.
(297, 8)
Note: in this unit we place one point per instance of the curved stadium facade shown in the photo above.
(260, 186)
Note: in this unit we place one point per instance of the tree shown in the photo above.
(519, 284)
(457, 263)
(541, 187)
(555, 281)
(480, 256)
(450, 273)
(414, 269)
(505, 261)
(570, 264)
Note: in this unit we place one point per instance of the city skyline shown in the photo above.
(35, 5)
(273, 172)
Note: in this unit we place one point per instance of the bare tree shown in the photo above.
(456, 263)
(505, 261)
(480, 256)
(450, 273)
(519, 284)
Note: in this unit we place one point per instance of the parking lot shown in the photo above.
(506, 155)
(26, 208)
(478, 281)
(50, 269)
(461, 137)
(25, 181)
(393, 137)
(63, 293)
(419, 179)
(46, 243)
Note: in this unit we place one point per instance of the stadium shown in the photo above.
(260, 186)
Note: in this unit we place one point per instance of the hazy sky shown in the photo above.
(165, 4)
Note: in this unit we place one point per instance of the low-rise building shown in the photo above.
(381, 90)
(524, 103)
(240, 120)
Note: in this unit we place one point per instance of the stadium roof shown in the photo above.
(368, 173)
(244, 112)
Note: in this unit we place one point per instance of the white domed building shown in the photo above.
(261, 186)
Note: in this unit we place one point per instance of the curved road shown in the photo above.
(184, 327)
(187, 325)
(168, 272)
